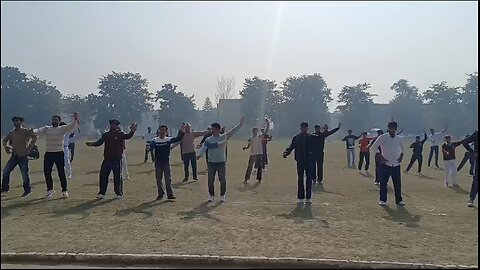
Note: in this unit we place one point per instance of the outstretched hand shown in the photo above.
(133, 127)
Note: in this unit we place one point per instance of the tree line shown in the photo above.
(125, 95)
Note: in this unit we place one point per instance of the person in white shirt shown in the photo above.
(256, 152)
(54, 153)
(435, 138)
(390, 157)
(148, 137)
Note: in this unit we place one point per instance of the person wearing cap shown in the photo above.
(434, 138)
(54, 153)
(114, 140)
(18, 144)
(417, 147)
(302, 143)
(449, 163)
(188, 150)
(318, 150)
(474, 154)
(389, 152)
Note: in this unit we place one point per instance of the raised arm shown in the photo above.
(98, 142)
(267, 128)
(41, 131)
(128, 136)
(235, 129)
(200, 133)
(456, 144)
(330, 132)
(424, 138)
(178, 139)
(345, 138)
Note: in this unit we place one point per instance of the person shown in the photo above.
(448, 151)
(188, 150)
(255, 145)
(217, 158)
(474, 154)
(265, 137)
(434, 138)
(417, 147)
(209, 128)
(363, 144)
(378, 165)
(467, 157)
(148, 139)
(390, 156)
(114, 140)
(124, 163)
(66, 153)
(72, 138)
(318, 150)
(18, 143)
(161, 146)
(54, 152)
(350, 144)
(302, 144)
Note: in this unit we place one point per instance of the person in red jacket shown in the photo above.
(364, 144)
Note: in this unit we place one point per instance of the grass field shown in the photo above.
(344, 222)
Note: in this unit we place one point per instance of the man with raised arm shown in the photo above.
(435, 139)
(318, 150)
(417, 147)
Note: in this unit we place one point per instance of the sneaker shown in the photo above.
(224, 199)
(300, 201)
(50, 193)
(171, 197)
(456, 185)
(100, 196)
(65, 194)
(470, 203)
(401, 203)
(26, 194)
(159, 198)
(211, 198)
(367, 172)
(377, 183)
(382, 203)
(308, 201)
(70, 177)
(185, 179)
(119, 197)
(195, 178)
(314, 182)
(4, 191)
(446, 184)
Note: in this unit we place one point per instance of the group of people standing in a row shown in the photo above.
(308, 147)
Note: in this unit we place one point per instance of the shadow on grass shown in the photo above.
(90, 185)
(81, 209)
(180, 184)
(147, 172)
(366, 175)
(31, 184)
(92, 172)
(402, 216)
(201, 211)
(460, 190)
(303, 213)
(177, 164)
(6, 211)
(424, 176)
(321, 189)
(248, 187)
(141, 209)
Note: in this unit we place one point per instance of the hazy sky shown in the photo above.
(191, 44)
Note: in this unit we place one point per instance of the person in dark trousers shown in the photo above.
(114, 140)
(417, 147)
(435, 139)
(467, 157)
(18, 143)
(161, 146)
(72, 138)
(148, 137)
(364, 154)
(302, 143)
(378, 165)
(350, 144)
(474, 153)
(390, 156)
(318, 150)
(255, 145)
(265, 137)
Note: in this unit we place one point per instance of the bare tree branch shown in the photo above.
(225, 88)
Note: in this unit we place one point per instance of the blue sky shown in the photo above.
(191, 44)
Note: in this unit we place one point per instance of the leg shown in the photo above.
(453, 171)
(222, 171)
(151, 154)
(464, 160)
(420, 161)
(360, 160)
(71, 147)
(193, 160)
(447, 172)
(11, 163)
(117, 179)
(474, 189)
(185, 166)
(377, 172)
(430, 155)
(258, 161)
(397, 183)
(48, 162)
(410, 164)
(251, 160)
(104, 173)
(211, 179)
(367, 161)
(146, 153)
(158, 176)
(385, 172)
(60, 164)
(310, 168)
(66, 158)
(472, 165)
(124, 166)
(349, 161)
(320, 168)
(23, 164)
(353, 157)
(436, 155)
(168, 179)
(300, 187)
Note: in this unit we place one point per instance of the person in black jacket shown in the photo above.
(302, 143)
(161, 146)
(318, 150)
(417, 153)
(467, 157)
(474, 154)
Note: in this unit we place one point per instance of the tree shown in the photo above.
(469, 96)
(207, 105)
(306, 98)
(225, 88)
(258, 99)
(29, 96)
(406, 106)
(355, 104)
(122, 95)
(175, 106)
